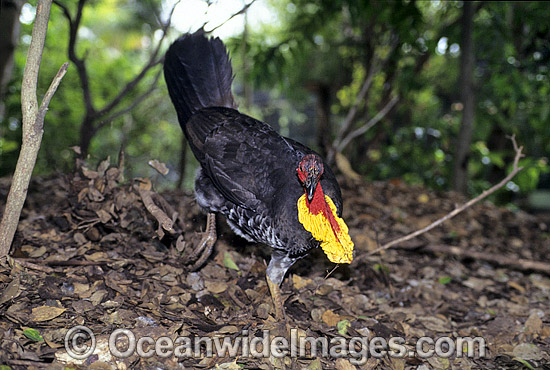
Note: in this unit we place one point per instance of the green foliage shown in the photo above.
(115, 39)
(320, 43)
(334, 43)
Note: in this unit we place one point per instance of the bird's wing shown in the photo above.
(244, 158)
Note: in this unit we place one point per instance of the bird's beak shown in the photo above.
(311, 185)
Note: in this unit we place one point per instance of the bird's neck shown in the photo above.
(319, 205)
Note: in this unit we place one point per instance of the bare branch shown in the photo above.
(80, 64)
(134, 104)
(49, 93)
(374, 67)
(350, 118)
(518, 150)
(153, 61)
(516, 263)
(367, 126)
(242, 11)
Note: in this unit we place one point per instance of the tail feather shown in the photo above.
(198, 75)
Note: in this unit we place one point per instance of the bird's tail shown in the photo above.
(198, 74)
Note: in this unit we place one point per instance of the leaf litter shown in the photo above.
(94, 250)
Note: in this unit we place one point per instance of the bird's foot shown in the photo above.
(206, 245)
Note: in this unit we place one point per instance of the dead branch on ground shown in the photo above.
(513, 262)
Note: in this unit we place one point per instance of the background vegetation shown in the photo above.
(321, 71)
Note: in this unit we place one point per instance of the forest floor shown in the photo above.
(89, 253)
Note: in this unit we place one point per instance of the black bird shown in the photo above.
(271, 189)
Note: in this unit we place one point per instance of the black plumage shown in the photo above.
(248, 171)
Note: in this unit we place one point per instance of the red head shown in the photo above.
(309, 172)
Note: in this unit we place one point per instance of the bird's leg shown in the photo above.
(276, 270)
(206, 245)
(275, 291)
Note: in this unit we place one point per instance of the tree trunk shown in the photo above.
(87, 132)
(460, 168)
(9, 34)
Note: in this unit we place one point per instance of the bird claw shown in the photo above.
(206, 245)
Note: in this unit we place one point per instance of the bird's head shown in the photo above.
(318, 214)
(309, 172)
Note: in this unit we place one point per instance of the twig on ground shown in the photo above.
(162, 218)
(26, 263)
(496, 259)
(456, 211)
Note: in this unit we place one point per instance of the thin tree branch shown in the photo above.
(367, 126)
(374, 67)
(471, 202)
(242, 11)
(153, 61)
(80, 63)
(350, 117)
(134, 104)
(50, 92)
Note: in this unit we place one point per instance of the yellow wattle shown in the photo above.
(337, 245)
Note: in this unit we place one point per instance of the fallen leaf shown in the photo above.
(330, 318)
(344, 364)
(229, 329)
(315, 365)
(229, 366)
(215, 287)
(533, 325)
(229, 263)
(516, 286)
(343, 326)
(38, 252)
(299, 282)
(45, 313)
(527, 351)
(435, 324)
(11, 291)
(144, 183)
(159, 166)
(33, 334)
(477, 284)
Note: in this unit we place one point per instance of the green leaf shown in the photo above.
(33, 334)
(5, 367)
(343, 326)
(524, 363)
(381, 268)
(444, 280)
(229, 263)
